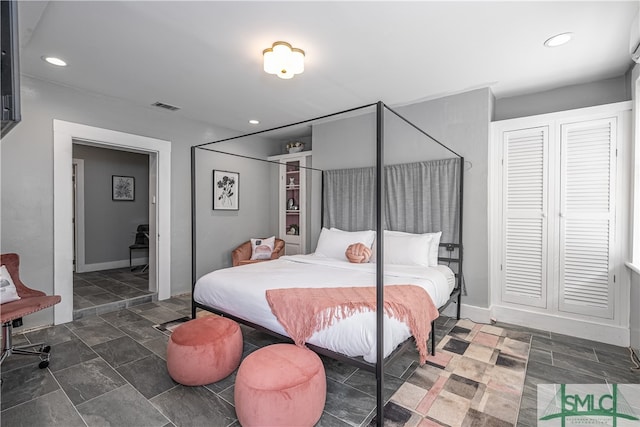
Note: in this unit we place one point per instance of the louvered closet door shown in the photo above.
(587, 217)
(524, 265)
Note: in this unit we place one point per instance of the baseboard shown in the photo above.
(471, 312)
(111, 265)
(609, 334)
(475, 313)
(635, 338)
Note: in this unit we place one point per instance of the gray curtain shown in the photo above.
(349, 199)
(420, 198)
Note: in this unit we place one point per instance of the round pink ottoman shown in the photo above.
(280, 385)
(205, 350)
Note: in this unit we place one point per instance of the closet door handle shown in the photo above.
(561, 215)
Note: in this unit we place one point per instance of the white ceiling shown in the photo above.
(205, 57)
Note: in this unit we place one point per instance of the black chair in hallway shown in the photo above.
(141, 242)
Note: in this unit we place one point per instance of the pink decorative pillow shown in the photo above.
(358, 253)
(262, 248)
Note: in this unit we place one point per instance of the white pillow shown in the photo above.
(8, 291)
(434, 252)
(262, 248)
(333, 243)
(410, 249)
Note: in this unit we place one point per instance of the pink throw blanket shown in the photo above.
(303, 311)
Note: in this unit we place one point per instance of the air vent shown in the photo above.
(165, 106)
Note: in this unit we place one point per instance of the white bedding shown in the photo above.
(240, 291)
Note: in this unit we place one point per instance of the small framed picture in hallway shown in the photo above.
(123, 188)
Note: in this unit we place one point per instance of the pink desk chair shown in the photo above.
(11, 313)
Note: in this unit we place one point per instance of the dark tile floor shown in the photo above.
(110, 369)
(558, 359)
(99, 292)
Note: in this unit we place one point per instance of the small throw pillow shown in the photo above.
(8, 291)
(262, 248)
(358, 253)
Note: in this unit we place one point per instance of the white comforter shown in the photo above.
(240, 291)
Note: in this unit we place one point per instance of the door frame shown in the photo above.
(78, 221)
(64, 133)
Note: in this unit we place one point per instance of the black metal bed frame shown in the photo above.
(455, 296)
(359, 362)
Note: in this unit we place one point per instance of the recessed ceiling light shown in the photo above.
(558, 40)
(54, 61)
(254, 122)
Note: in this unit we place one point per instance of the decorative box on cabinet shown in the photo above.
(293, 201)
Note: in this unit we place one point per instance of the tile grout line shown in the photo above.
(117, 372)
(73, 335)
(524, 384)
(219, 394)
(157, 408)
(65, 393)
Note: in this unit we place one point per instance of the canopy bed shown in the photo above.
(408, 216)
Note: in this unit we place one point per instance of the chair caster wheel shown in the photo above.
(43, 364)
(46, 349)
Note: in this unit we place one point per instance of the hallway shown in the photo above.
(99, 292)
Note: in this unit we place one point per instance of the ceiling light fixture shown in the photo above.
(558, 40)
(54, 61)
(283, 60)
(254, 122)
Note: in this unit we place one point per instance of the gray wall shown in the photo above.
(27, 175)
(462, 123)
(110, 226)
(565, 98)
(219, 231)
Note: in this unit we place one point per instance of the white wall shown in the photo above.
(27, 175)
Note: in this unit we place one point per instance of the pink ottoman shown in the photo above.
(280, 385)
(203, 351)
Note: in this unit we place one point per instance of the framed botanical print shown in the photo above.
(123, 188)
(226, 190)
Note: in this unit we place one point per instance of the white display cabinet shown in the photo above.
(293, 200)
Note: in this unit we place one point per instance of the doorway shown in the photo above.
(159, 152)
(108, 274)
